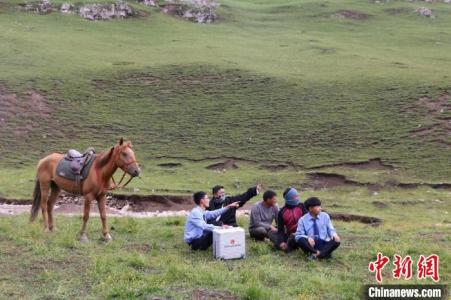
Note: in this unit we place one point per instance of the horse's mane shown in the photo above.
(105, 157)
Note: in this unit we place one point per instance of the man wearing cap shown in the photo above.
(315, 234)
(288, 218)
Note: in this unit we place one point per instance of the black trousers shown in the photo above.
(203, 242)
(325, 248)
(279, 238)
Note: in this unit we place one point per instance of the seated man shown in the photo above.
(315, 233)
(220, 200)
(198, 234)
(287, 220)
(263, 214)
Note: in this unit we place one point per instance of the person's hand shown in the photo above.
(233, 205)
(283, 246)
(311, 242)
(273, 229)
(336, 238)
(259, 188)
(225, 226)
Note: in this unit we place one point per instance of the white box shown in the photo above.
(229, 243)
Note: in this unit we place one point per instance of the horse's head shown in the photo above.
(125, 158)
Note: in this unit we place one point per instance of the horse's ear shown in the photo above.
(121, 141)
(129, 143)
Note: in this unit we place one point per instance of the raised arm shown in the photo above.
(243, 198)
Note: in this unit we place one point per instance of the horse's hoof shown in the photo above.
(84, 238)
(107, 238)
(53, 229)
(47, 230)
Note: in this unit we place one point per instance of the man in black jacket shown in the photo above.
(220, 200)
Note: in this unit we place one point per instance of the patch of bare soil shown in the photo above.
(205, 294)
(379, 204)
(170, 165)
(20, 114)
(138, 203)
(374, 163)
(319, 180)
(275, 167)
(355, 218)
(350, 14)
(438, 110)
(223, 166)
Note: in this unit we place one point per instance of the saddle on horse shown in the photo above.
(75, 165)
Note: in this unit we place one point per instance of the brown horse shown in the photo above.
(97, 183)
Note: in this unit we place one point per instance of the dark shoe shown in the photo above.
(312, 257)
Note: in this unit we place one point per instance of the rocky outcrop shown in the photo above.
(43, 7)
(425, 12)
(67, 8)
(119, 10)
(199, 11)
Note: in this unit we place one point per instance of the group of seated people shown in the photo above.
(295, 225)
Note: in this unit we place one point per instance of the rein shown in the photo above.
(118, 185)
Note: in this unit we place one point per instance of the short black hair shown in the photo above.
(216, 188)
(268, 195)
(311, 202)
(198, 196)
(286, 191)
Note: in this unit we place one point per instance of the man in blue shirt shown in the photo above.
(198, 234)
(315, 234)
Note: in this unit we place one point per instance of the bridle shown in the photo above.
(118, 185)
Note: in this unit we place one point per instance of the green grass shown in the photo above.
(271, 82)
(148, 256)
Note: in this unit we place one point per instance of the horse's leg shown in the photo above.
(87, 208)
(45, 187)
(101, 202)
(55, 191)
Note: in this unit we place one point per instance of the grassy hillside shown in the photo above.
(285, 89)
(271, 81)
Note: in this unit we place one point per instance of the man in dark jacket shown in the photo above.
(221, 200)
(287, 221)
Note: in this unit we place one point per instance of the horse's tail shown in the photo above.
(36, 201)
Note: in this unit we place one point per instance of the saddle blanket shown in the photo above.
(64, 169)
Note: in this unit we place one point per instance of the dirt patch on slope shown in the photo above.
(170, 165)
(350, 14)
(321, 180)
(29, 105)
(223, 166)
(355, 218)
(205, 294)
(439, 122)
(276, 167)
(374, 163)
